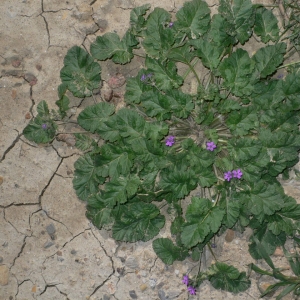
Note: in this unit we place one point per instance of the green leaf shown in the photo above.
(135, 87)
(63, 105)
(114, 161)
(228, 105)
(236, 71)
(202, 219)
(97, 212)
(87, 176)
(139, 221)
(291, 89)
(42, 109)
(156, 105)
(267, 95)
(265, 199)
(80, 73)
(243, 148)
(177, 182)
(165, 74)
(119, 190)
(267, 59)
(83, 141)
(158, 38)
(240, 122)
(62, 89)
(167, 252)
(217, 33)
(93, 116)
(264, 243)
(239, 15)
(181, 54)
(232, 212)
(137, 20)
(109, 45)
(156, 131)
(181, 104)
(206, 177)
(210, 55)
(228, 278)
(193, 18)
(266, 25)
(35, 132)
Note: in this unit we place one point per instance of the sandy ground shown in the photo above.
(48, 249)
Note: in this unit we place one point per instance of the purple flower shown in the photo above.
(192, 290)
(237, 174)
(213, 245)
(210, 146)
(185, 279)
(170, 140)
(143, 77)
(44, 126)
(227, 175)
(171, 24)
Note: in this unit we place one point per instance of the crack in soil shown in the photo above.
(20, 252)
(11, 146)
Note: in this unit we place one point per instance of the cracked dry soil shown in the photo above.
(48, 249)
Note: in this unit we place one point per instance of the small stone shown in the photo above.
(116, 81)
(28, 116)
(143, 287)
(4, 274)
(1, 259)
(152, 282)
(50, 229)
(60, 259)
(106, 297)
(33, 290)
(229, 236)
(73, 251)
(162, 295)
(160, 285)
(106, 92)
(278, 252)
(1, 180)
(132, 294)
(30, 78)
(48, 244)
(38, 67)
(131, 262)
(59, 253)
(16, 63)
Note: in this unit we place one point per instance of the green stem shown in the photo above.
(189, 70)
(290, 64)
(94, 98)
(211, 251)
(195, 73)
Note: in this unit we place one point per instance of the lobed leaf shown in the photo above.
(138, 222)
(92, 117)
(202, 219)
(110, 46)
(267, 59)
(193, 18)
(266, 25)
(167, 252)
(80, 73)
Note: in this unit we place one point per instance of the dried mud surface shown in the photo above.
(48, 249)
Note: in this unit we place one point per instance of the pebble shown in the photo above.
(48, 244)
(132, 294)
(162, 295)
(229, 236)
(50, 229)
(4, 272)
(1, 259)
(152, 282)
(131, 262)
(105, 297)
(143, 287)
(73, 251)
(1, 180)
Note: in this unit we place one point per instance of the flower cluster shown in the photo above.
(44, 126)
(144, 77)
(211, 146)
(170, 140)
(233, 174)
(190, 289)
